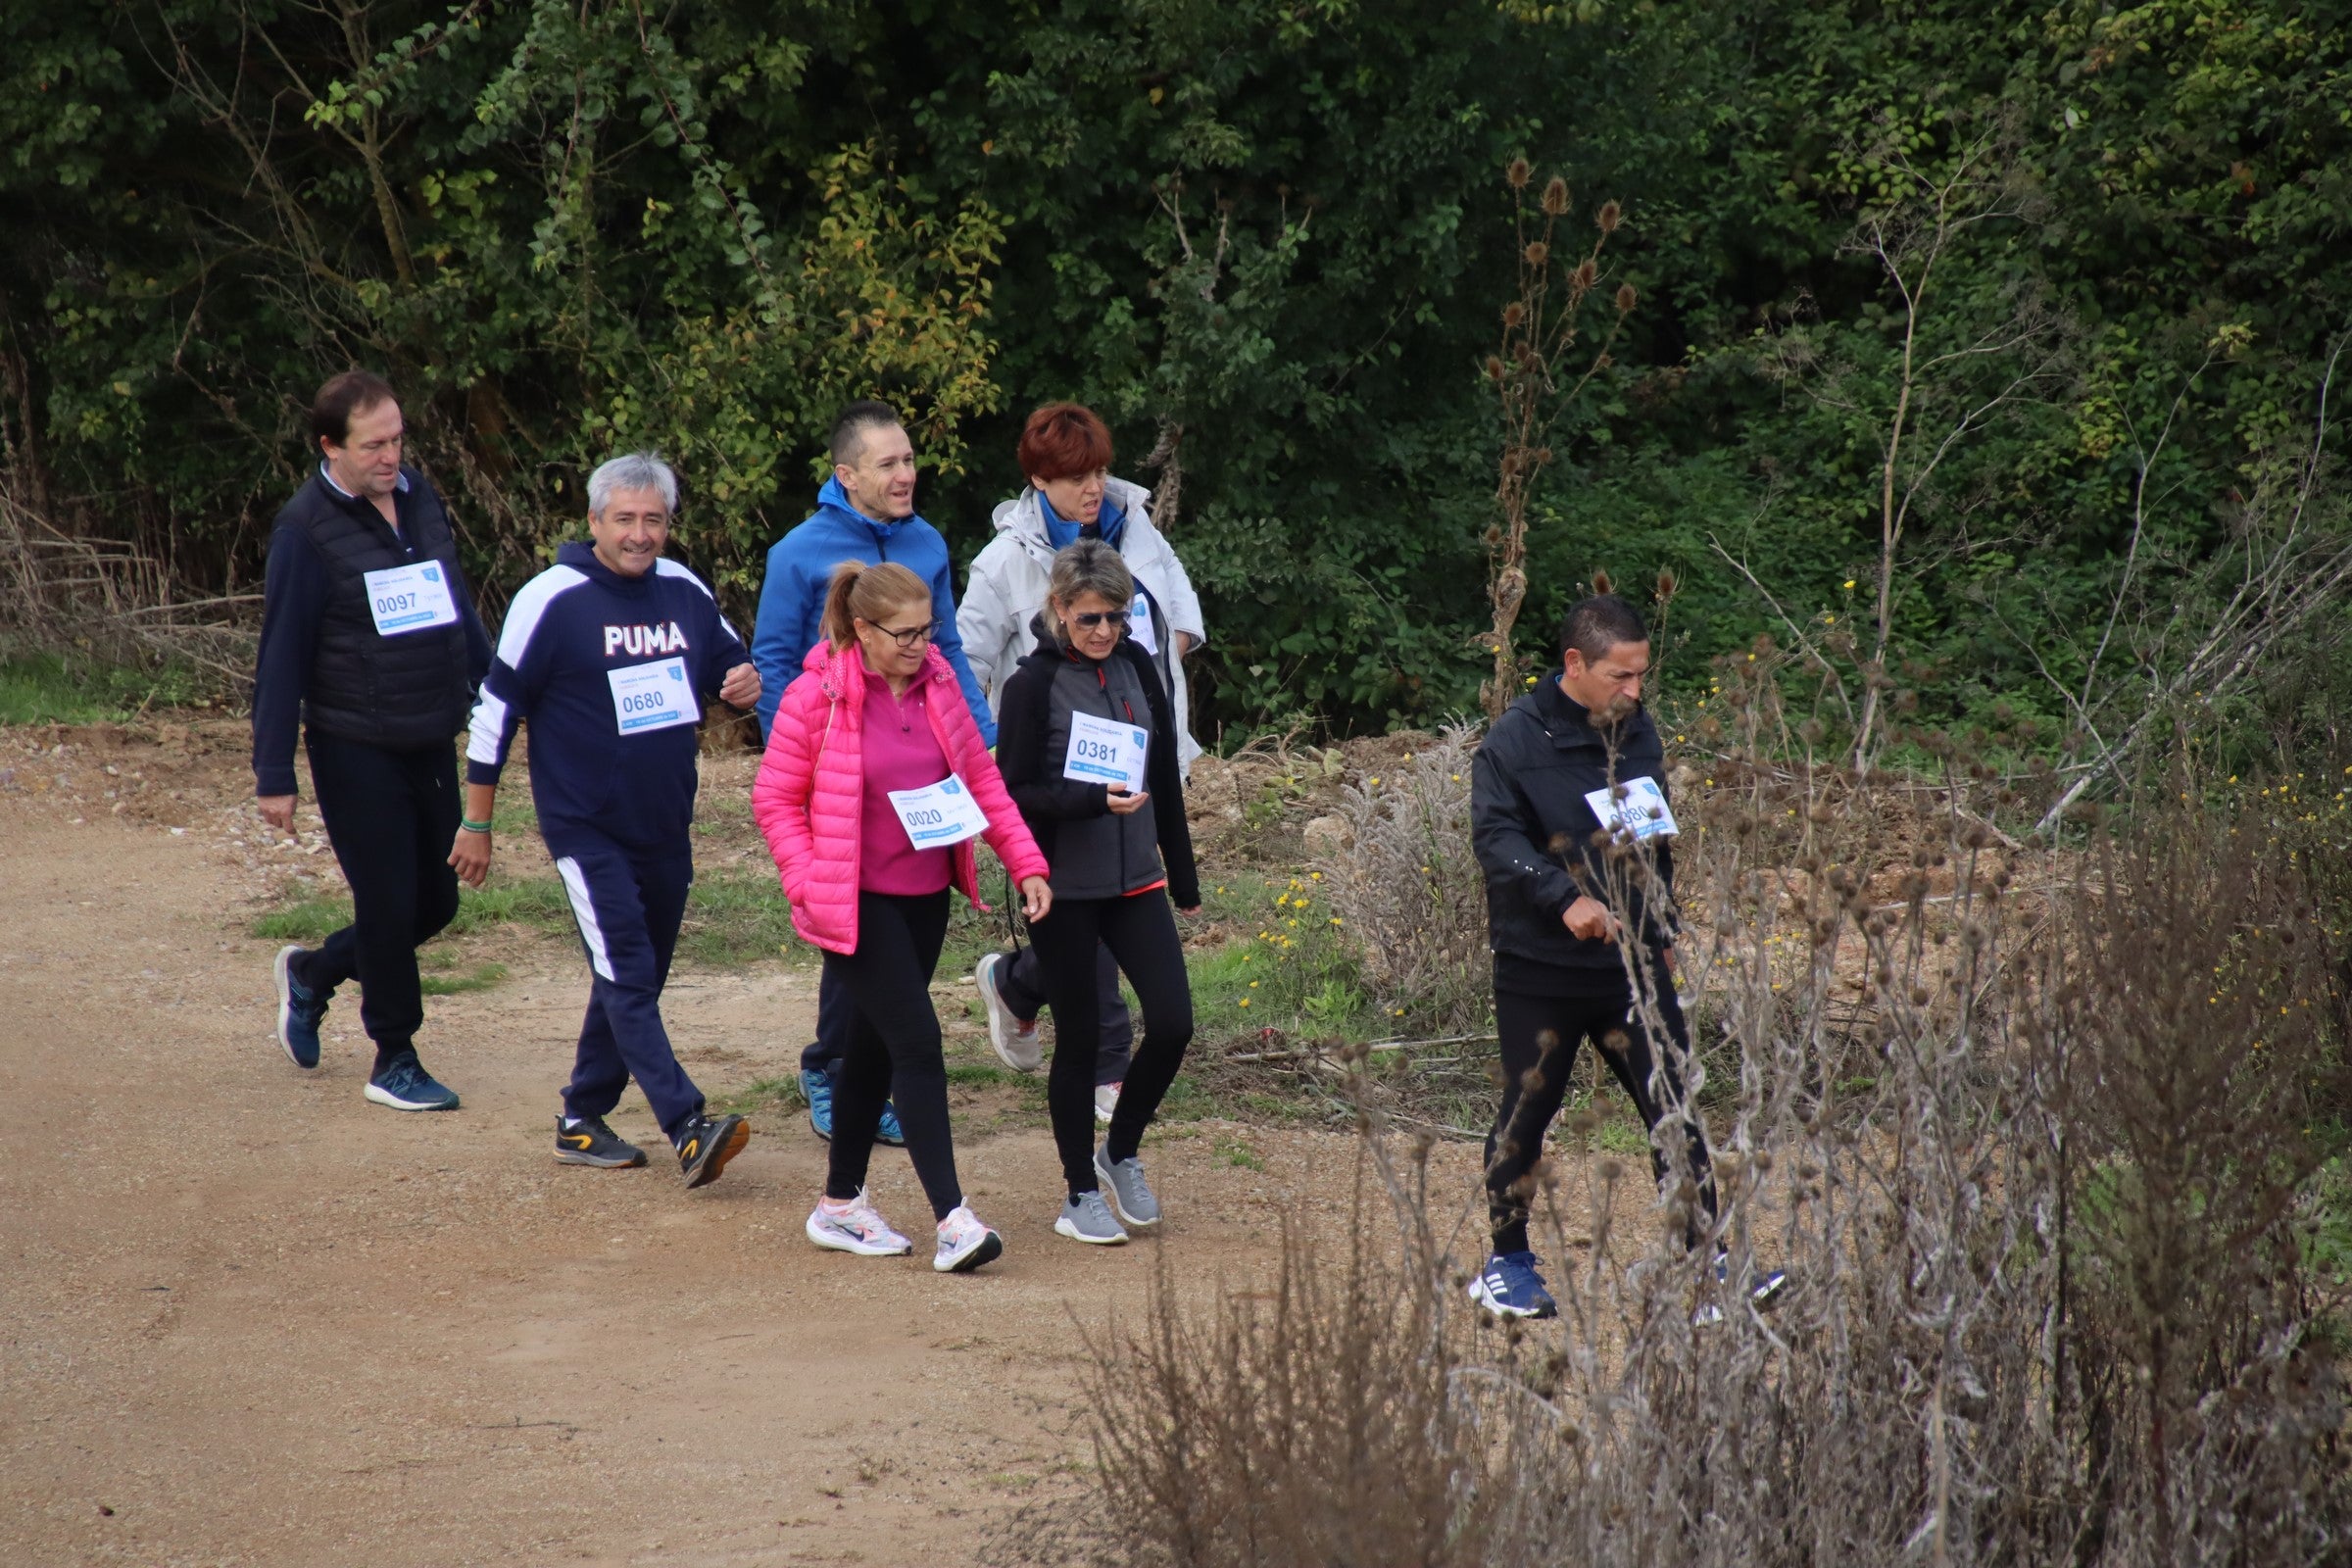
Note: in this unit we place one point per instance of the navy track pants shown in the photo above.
(629, 901)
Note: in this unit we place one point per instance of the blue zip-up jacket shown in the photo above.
(792, 600)
(567, 629)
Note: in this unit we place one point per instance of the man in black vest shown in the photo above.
(371, 642)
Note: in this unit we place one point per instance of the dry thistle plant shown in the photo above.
(2030, 1136)
(1411, 891)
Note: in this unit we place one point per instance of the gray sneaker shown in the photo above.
(1087, 1218)
(1129, 1193)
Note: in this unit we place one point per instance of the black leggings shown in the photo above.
(892, 1049)
(1545, 1031)
(1140, 933)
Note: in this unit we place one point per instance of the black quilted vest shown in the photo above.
(405, 692)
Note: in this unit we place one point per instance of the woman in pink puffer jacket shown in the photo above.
(875, 785)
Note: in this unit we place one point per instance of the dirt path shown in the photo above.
(247, 1318)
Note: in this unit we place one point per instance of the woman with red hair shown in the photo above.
(1065, 451)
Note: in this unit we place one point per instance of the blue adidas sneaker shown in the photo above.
(300, 1012)
(1509, 1286)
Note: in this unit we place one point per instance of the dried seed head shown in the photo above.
(1609, 216)
(1513, 314)
(1601, 583)
(1538, 253)
(1518, 174)
(1555, 196)
(1666, 583)
(1585, 276)
(1609, 1168)
(1627, 298)
(1494, 369)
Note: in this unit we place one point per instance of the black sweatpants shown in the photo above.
(1544, 1033)
(1140, 933)
(1022, 985)
(894, 1045)
(391, 816)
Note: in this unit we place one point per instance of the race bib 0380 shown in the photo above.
(652, 696)
(406, 599)
(1639, 809)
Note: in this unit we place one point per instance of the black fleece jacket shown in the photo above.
(1069, 816)
(1540, 843)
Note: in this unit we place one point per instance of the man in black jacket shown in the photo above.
(369, 643)
(1571, 822)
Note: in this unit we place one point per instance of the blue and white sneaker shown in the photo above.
(404, 1085)
(890, 1132)
(299, 1011)
(1762, 1291)
(1509, 1286)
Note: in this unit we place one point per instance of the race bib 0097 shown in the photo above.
(412, 598)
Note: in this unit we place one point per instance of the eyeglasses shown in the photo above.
(910, 636)
(1091, 619)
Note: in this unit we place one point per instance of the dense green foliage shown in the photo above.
(1272, 237)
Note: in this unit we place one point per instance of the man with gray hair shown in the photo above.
(607, 653)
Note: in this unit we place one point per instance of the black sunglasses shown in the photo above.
(1091, 619)
(910, 636)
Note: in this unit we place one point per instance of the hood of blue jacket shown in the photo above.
(1111, 523)
(833, 498)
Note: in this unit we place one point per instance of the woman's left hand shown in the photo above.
(1037, 898)
(1194, 909)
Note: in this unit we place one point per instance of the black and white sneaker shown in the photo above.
(706, 1144)
(587, 1141)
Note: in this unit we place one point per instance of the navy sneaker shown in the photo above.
(1509, 1286)
(299, 1011)
(816, 1088)
(404, 1085)
(1763, 1289)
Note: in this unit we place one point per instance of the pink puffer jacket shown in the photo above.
(810, 797)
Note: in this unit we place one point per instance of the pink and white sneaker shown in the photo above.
(855, 1227)
(964, 1244)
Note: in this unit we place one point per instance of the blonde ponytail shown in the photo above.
(866, 591)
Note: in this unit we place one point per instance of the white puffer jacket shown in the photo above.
(1008, 590)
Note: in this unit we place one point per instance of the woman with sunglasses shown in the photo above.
(875, 782)
(1087, 739)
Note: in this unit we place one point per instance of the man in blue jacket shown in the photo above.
(606, 653)
(865, 512)
(370, 648)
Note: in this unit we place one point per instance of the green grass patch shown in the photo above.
(1238, 1152)
(480, 978)
(735, 916)
(777, 1096)
(539, 903)
(46, 689)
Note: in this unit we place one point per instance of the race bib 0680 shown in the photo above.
(652, 696)
(406, 599)
(1639, 809)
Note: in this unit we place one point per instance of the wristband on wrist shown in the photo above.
(468, 825)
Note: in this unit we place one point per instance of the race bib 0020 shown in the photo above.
(1638, 810)
(412, 598)
(1104, 752)
(652, 696)
(938, 815)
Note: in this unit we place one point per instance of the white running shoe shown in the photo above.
(1017, 1042)
(1106, 1101)
(964, 1244)
(856, 1228)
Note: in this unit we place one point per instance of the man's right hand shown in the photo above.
(279, 811)
(1590, 918)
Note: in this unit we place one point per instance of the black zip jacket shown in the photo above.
(1535, 834)
(1094, 852)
